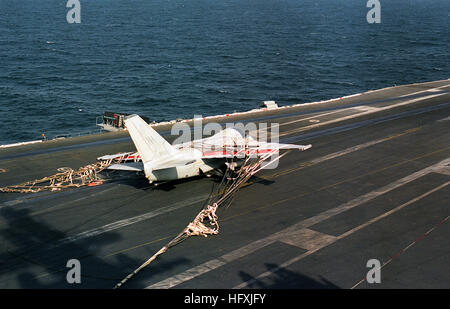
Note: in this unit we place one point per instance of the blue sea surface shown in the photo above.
(169, 59)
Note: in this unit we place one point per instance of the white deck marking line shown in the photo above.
(301, 129)
(390, 212)
(280, 236)
(261, 133)
(345, 151)
(444, 119)
(366, 93)
(363, 108)
(300, 257)
(422, 91)
(43, 211)
(308, 239)
(316, 116)
(443, 169)
(122, 223)
(32, 200)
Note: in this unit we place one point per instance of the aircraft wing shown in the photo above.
(171, 164)
(230, 143)
(126, 156)
(131, 167)
(219, 154)
(139, 166)
(285, 146)
(252, 150)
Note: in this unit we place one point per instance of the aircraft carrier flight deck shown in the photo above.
(374, 185)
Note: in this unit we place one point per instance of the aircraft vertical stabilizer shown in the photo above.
(148, 142)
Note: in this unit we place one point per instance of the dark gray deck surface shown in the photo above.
(375, 185)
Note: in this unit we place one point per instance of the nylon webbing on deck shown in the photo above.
(66, 178)
(206, 222)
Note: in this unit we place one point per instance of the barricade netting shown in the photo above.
(206, 222)
(66, 178)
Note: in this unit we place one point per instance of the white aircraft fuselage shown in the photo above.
(161, 161)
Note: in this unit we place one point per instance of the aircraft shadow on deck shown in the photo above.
(138, 181)
(283, 278)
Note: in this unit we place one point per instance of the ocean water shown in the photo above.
(169, 59)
